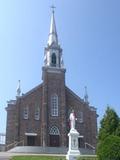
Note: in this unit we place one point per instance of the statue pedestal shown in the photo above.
(73, 151)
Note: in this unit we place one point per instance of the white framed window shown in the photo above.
(37, 113)
(26, 113)
(53, 60)
(54, 105)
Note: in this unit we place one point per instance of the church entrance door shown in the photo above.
(30, 140)
(54, 135)
(54, 140)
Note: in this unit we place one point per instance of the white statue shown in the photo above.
(73, 151)
(72, 120)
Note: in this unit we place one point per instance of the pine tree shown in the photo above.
(109, 124)
(118, 129)
(109, 149)
(109, 136)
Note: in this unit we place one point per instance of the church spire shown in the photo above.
(53, 38)
(86, 95)
(53, 52)
(18, 90)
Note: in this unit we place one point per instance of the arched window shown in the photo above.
(53, 60)
(54, 131)
(25, 112)
(54, 105)
(37, 113)
(80, 116)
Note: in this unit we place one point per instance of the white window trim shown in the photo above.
(54, 105)
(26, 113)
(37, 114)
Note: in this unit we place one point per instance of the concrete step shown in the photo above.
(37, 149)
(2, 147)
(47, 150)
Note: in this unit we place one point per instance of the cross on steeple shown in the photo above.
(53, 8)
(53, 32)
(53, 52)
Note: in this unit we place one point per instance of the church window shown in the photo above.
(37, 113)
(54, 105)
(54, 131)
(53, 60)
(25, 112)
(80, 117)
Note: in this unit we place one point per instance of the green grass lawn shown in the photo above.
(50, 158)
(37, 158)
(88, 158)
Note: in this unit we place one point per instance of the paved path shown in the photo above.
(7, 155)
(4, 156)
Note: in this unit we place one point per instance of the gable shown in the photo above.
(33, 91)
(69, 92)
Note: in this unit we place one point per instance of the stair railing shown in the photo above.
(21, 142)
(14, 144)
(89, 145)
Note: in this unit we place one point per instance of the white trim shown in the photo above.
(54, 105)
(37, 113)
(80, 136)
(31, 134)
(25, 113)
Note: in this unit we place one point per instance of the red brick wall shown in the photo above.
(53, 83)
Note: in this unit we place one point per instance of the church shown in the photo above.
(40, 117)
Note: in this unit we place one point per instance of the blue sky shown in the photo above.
(89, 33)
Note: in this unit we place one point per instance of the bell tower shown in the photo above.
(53, 51)
(54, 98)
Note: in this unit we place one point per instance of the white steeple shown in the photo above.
(18, 90)
(53, 32)
(53, 52)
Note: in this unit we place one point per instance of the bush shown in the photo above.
(109, 148)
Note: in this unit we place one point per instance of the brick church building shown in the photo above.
(40, 117)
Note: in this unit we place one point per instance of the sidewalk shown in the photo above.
(7, 155)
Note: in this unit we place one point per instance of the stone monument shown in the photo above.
(73, 151)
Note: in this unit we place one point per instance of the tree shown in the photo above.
(118, 129)
(109, 149)
(109, 124)
(109, 136)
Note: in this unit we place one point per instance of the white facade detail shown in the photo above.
(31, 134)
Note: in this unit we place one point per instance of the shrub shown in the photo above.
(109, 148)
